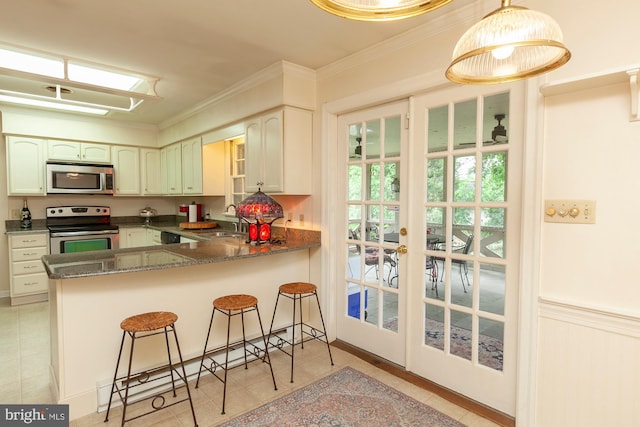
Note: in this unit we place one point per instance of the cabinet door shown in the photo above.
(272, 152)
(254, 162)
(95, 153)
(25, 166)
(136, 237)
(214, 173)
(126, 168)
(63, 150)
(192, 166)
(150, 171)
(173, 169)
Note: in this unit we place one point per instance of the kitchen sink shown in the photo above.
(224, 233)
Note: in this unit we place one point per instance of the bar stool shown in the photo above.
(149, 324)
(298, 291)
(233, 305)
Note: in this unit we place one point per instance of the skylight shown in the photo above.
(27, 78)
(30, 63)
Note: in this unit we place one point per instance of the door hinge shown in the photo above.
(406, 121)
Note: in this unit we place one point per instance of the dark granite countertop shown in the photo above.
(218, 249)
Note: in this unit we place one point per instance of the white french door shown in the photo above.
(465, 220)
(371, 295)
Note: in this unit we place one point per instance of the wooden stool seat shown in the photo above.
(148, 321)
(235, 302)
(298, 288)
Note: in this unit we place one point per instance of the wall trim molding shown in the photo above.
(602, 318)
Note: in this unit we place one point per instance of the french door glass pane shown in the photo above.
(390, 311)
(434, 326)
(436, 180)
(460, 334)
(494, 108)
(438, 132)
(392, 136)
(372, 139)
(355, 141)
(373, 180)
(391, 178)
(494, 168)
(464, 179)
(355, 182)
(493, 224)
(490, 343)
(371, 305)
(492, 288)
(464, 124)
(354, 301)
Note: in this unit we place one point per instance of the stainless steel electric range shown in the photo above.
(81, 229)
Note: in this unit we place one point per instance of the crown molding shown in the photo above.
(274, 71)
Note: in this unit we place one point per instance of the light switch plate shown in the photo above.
(570, 211)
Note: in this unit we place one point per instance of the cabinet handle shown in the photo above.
(30, 283)
(28, 241)
(30, 266)
(29, 254)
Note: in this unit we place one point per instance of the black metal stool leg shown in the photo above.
(226, 361)
(324, 329)
(184, 375)
(173, 383)
(244, 340)
(126, 389)
(273, 318)
(204, 351)
(266, 350)
(115, 377)
(293, 335)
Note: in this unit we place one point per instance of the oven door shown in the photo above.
(73, 242)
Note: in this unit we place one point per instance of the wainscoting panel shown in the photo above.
(588, 366)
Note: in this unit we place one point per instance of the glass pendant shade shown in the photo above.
(510, 43)
(378, 10)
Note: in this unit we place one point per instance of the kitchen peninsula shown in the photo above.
(90, 293)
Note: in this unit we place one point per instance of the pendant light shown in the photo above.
(378, 10)
(510, 43)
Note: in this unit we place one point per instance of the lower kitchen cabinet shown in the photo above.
(29, 281)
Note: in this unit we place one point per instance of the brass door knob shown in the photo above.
(403, 231)
(402, 249)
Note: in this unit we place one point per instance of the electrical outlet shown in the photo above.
(570, 211)
(15, 213)
(301, 219)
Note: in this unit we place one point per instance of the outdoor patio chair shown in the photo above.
(462, 263)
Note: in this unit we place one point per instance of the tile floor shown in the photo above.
(24, 340)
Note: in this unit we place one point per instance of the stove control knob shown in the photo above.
(53, 211)
(59, 210)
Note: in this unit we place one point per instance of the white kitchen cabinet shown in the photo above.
(171, 160)
(150, 171)
(29, 280)
(25, 166)
(278, 152)
(134, 237)
(79, 151)
(192, 166)
(214, 173)
(126, 169)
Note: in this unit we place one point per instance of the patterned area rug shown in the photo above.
(345, 398)
(490, 350)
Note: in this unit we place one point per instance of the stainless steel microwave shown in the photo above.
(79, 178)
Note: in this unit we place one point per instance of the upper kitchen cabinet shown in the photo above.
(278, 152)
(25, 166)
(192, 166)
(171, 161)
(126, 170)
(213, 169)
(150, 171)
(79, 152)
